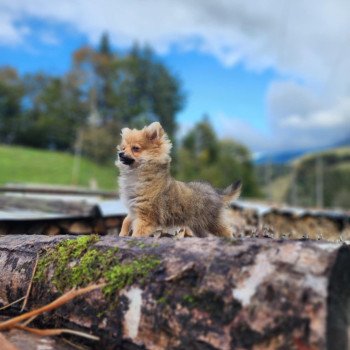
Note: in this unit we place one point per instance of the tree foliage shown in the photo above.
(11, 93)
(101, 93)
(202, 156)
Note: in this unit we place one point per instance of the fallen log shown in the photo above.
(190, 293)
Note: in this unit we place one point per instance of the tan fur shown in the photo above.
(155, 200)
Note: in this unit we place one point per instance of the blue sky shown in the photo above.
(47, 47)
(213, 88)
(210, 87)
(271, 76)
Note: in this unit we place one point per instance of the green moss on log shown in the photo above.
(76, 263)
(121, 275)
(68, 251)
(140, 244)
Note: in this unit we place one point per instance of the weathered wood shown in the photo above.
(289, 222)
(205, 294)
(54, 190)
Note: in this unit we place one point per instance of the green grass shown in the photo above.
(339, 152)
(33, 166)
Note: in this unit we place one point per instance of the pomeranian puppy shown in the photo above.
(155, 200)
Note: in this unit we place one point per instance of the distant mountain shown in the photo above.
(280, 157)
(288, 156)
(344, 142)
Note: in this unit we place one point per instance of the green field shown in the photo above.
(32, 166)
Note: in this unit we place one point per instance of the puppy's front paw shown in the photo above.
(126, 227)
(123, 234)
(140, 234)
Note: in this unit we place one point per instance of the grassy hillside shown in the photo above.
(332, 167)
(274, 179)
(26, 165)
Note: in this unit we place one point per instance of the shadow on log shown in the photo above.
(203, 294)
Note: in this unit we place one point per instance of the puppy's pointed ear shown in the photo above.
(154, 131)
(125, 131)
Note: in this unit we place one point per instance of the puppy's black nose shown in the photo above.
(125, 159)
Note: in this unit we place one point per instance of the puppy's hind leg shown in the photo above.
(184, 231)
(224, 231)
(187, 232)
(221, 230)
(222, 227)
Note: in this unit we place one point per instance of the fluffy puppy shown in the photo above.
(156, 200)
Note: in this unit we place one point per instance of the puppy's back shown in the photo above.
(180, 203)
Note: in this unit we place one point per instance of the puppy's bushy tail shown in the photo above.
(232, 192)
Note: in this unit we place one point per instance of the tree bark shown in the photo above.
(205, 294)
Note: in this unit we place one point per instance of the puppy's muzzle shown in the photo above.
(125, 159)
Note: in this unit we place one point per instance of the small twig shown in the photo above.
(30, 284)
(76, 346)
(14, 302)
(26, 323)
(65, 298)
(58, 331)
(6, 344)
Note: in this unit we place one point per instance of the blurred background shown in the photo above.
(259, 92)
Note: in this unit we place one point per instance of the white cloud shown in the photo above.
(232, 127)
(49, 38)
(306, 41)
(303, 37)
(10, 33)
(299, 118)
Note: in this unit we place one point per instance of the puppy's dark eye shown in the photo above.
(135, 149)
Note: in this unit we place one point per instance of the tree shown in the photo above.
(235, 162)
(11, 93)
(105, 72)
(53, 112)
(105, 46)
(202, 156)
(132, 91)
(100, 94)
(150, 90)
(203, 142)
